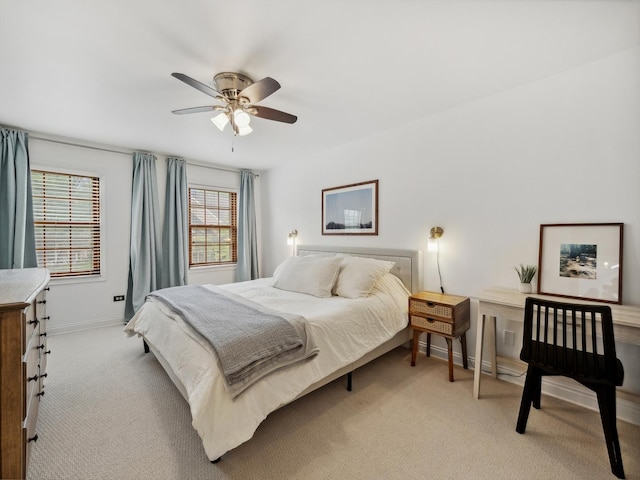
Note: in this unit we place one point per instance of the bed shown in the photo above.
(349, 329)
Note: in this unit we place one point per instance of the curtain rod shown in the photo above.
(129, 153)
(62, 142)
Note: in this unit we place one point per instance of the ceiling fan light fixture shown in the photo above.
(241, 118)
(239, 94)
(246, 130)
(220, 121)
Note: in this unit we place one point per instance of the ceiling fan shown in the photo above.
(238, 95)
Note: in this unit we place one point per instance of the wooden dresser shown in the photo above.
(23, 361)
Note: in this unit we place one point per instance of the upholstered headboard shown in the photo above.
(408, 263)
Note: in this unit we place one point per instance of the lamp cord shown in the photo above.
(438, 264)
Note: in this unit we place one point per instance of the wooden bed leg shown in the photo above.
(349, 381)
(146, 347)
(216, 460)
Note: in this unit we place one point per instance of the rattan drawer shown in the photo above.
(429, 308)
(432, 325)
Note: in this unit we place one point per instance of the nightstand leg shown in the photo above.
(428, 349)
(463, 342)
(414, 347)
(450, 349)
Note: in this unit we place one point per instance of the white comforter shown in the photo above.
(344, 330)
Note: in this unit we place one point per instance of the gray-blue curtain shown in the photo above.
(17, 237)
(247, 267)
(175, 230)
(145, 254)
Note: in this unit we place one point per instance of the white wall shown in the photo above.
(564, 149)
(81, 304)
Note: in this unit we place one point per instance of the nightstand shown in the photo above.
(439, 314)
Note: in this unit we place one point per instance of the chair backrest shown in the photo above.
(574, 340)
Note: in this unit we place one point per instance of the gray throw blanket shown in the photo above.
(249, 339)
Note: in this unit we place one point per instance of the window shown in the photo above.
(66, 213)
(213, 231)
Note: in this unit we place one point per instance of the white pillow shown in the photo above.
(313, 275)
(358, 275)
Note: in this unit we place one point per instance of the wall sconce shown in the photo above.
(291, 241)
(434, 236)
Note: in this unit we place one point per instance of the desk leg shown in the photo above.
(477, 370)
(492, 346)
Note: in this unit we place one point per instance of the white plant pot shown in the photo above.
(525, 288)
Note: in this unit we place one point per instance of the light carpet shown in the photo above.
(111, 412)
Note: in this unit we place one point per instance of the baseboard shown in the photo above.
(56, 328)
(511, 370)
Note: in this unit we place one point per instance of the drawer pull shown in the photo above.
(41, 302)
(46, 318)
(34, 322)
(47, 352)
(40, 394)
(46, 289)
(33, 439)
(44, 375)
(43, 334)
(32, 379)
(40, 347)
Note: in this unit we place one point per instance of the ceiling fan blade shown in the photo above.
(196, 84)
(209, 108)
(272, 114)
(260, 90)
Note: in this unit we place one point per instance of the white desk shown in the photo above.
(509, 304)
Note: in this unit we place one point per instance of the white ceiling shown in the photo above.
(100, 71)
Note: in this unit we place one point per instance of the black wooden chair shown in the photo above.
(574, 341)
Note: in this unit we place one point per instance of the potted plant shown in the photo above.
(526, 273)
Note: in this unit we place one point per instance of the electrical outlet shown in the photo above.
(508, 337)
(118, 298)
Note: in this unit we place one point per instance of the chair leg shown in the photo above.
(607, 404)
(537, 392)
(528, 395)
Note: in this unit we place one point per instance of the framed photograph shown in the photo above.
(350, 209)
(581, 260)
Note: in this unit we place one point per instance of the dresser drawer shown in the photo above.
(30, 434)
(44, 356)
(31, 323)
(30, 362)
(430, 308)
(41, 303)
(42, 326)
(431, 324)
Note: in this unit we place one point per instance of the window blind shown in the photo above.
(66, 210)
(213, 233)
